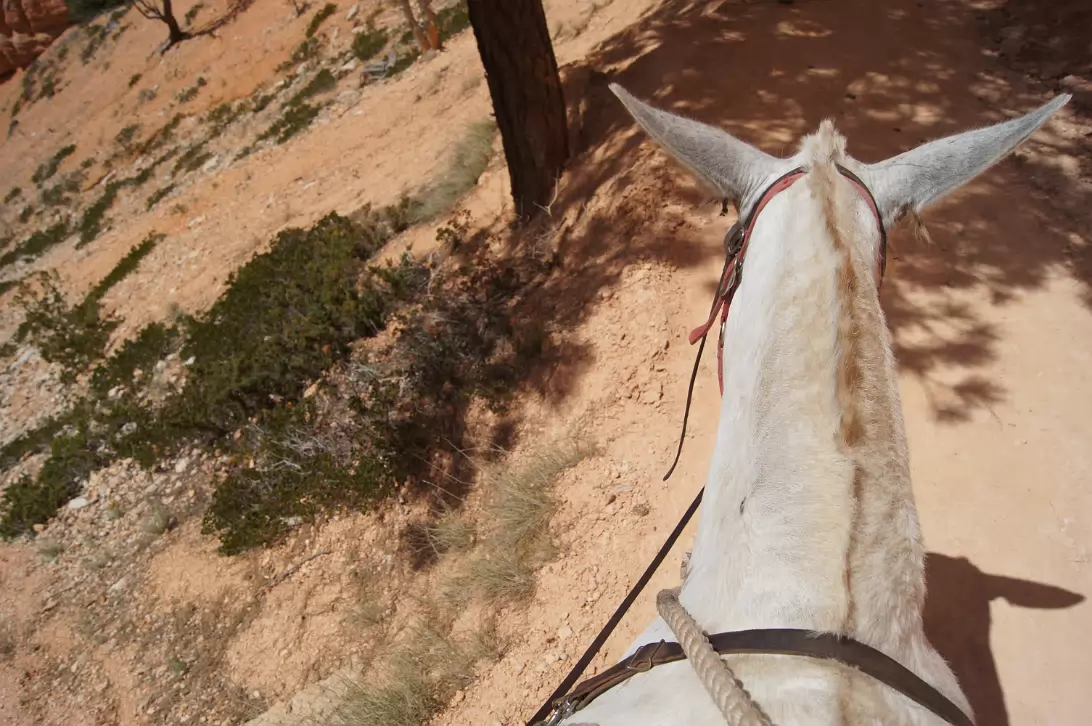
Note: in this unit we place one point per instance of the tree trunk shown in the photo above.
(176, 34)
(514, 44)
(432, 27)
(418, 34)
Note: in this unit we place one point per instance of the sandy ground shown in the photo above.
(992, 324)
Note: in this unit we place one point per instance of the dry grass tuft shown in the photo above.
(434, 661)
(404, 700)
(451, 533)
(420, 678)
(7, 642)
(521, 499)
(49, 549)
(158, 521)
(501, 577)
(468, 162)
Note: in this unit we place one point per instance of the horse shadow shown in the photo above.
(957, 623)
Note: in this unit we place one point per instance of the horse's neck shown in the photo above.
(800, 528)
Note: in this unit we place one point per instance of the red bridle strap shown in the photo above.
(736, 242)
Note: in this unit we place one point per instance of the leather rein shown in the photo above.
(775, 641)
(736, 242)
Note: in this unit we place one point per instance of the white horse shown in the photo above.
(809, 519)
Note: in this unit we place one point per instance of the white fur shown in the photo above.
(800, 529)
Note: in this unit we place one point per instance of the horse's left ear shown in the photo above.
(915, 179)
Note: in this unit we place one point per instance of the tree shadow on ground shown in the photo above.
(892, 76)
(957, 623)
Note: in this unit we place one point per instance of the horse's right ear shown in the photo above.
(727, 165)
(915, 179)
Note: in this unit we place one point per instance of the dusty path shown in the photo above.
(992, 322)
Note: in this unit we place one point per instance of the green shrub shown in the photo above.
(125, 137)
(33, 441)
(26, 213)
(368, 44)
(59, 195)
(74, 337)
(163, 135)
(305, 51)
(192, 158)
(223, 116)
(404, 214)
(13, 194)
(253, 506)
(157, 196)
(92, 220)
(453, 19)
(71, 460)
(295, 118)
(326, 11)
(261, 101)
(151, 345)
(134, 79)
(28, 502)
(38, 243)
(285, 316)
(82, 11)
(49, 168)
(126, 265)
(403, 400)
(323, 82)
(188, 94)
(191, 14)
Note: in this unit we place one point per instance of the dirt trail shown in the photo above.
(992, 325)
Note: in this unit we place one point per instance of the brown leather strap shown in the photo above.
(581, 664)
(780, 641)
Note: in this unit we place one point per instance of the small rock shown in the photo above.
(78, 503)
(117, 586)
(349, 67)
(181, 465)
(611, 497)
(458, 697)
(189, 361)
(293, 521)
(564, 632)
(352, 12)
(24, 358)
(39, 528)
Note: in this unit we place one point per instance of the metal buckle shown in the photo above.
(641, 660)
(733, 240)
(563, 708)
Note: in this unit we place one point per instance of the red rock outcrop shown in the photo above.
(27, 27)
